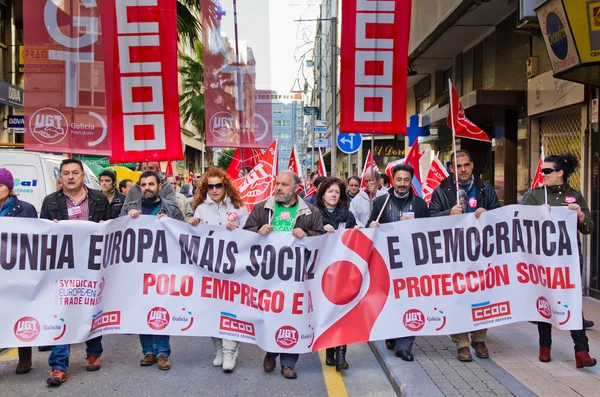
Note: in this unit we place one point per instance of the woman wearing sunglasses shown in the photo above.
(556, 192)
(332, 202)
(217, 202)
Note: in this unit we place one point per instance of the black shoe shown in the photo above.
(390, 344)
(405, 355)
(330, 357)
(588, 323)
(340, 358)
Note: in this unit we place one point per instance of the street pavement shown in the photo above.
(192, 373)
(512, 370)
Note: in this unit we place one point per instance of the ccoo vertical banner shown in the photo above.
(374, 66)
(63, 60)
(140, 48)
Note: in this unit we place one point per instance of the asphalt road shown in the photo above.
(192, 373)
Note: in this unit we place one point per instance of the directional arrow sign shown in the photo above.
(349, 143)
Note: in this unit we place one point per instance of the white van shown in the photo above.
(35, 174)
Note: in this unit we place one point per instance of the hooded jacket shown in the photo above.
(211, 213)
(444, 196)
(308, 217)
(360, 206)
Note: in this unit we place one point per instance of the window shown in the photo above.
(282, 123)
(91, 84)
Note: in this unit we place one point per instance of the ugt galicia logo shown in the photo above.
(414, 320)
(223, 126)
(27, 329)
(158, 318)
(48, 126)
(286, 337)
(544, 308)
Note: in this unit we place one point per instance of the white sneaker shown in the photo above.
(218, 352)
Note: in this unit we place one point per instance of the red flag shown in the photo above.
(538, 178)
(169, 170)
(369, 163)
(414, 159)
(310, 192)
(463, 127)
(294, 165)
(251, 157)
(322, 169)
(437, 173)
(190, 177)
(259, 184)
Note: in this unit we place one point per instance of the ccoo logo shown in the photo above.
(27, 329)
(286, 337)
(414, 320)
(48, 126)
(543, 307)
(158, 318)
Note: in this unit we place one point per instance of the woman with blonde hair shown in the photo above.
(217, 202)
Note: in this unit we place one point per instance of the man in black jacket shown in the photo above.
(475, 196)
(399, 204)
(74, 202)
(108, 183)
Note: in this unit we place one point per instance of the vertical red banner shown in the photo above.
(140, 47)
(237, 113)
(65, 106)
(374, 66)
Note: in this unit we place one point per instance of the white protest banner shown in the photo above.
(70, 281)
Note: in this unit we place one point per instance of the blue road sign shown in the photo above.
(349, 142)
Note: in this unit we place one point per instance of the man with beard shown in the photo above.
(156, 348)
(74, 201)
(475, 196)
(285, 212)
(135, 192)
(399, 204)
(108, 181)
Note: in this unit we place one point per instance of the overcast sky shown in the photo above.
(268, 27)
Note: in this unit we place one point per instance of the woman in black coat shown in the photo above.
(332, 202)
(11, 206)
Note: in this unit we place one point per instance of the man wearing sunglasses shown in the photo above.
(475, 196)
(189, 190)
(285, 212)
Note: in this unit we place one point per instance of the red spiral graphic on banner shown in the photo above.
(357, 324)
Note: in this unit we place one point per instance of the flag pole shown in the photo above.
(545, 190)
(372, 173)
(453, 136)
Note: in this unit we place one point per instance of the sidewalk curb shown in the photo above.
(394, 380)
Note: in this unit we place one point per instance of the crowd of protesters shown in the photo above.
(211, 199)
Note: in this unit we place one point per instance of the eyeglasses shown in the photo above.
(215, 186)
(548, 171)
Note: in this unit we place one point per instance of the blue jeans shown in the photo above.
(59, 358)
(286, 359)
(156, 344)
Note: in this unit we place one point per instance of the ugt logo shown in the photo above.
(286, 337)
(414, 320)
(48, 126)
(27, 329)
(158, 318)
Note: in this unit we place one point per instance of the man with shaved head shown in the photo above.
(166, 191)
(285, 212)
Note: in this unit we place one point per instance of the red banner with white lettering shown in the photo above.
(236, 48)
(374, 66)
(65, 110)
(437, 173)
(140, 47)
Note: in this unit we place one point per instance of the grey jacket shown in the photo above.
(167, 207)
(135, 193)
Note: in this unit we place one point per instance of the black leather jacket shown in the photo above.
(55, 206)
(444, 197)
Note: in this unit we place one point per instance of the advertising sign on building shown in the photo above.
(558, 36)
(548, 93)
(15, 124)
